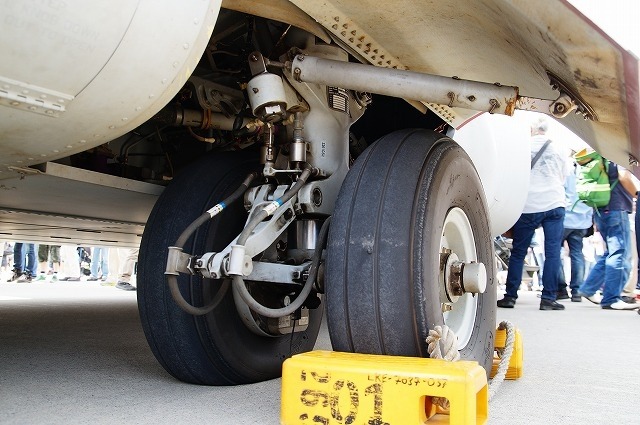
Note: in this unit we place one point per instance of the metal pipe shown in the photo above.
(453, 92)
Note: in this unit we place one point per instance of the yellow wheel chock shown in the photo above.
(328, 387)
(515, 363)
(335, 388)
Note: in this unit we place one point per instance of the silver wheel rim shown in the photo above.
(457, 237)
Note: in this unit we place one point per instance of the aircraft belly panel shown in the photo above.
(513, 42)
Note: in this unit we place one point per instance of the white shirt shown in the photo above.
(546, 186)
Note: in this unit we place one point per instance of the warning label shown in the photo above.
(338, 99)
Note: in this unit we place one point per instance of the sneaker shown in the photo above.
(621, 305)
(628, 300)
(576, 299)
(562, 296)
(54, 278)
(16, 274)
(24, 277)
(550, 305)
(507, 302)
(595, 298)
(125, 286)
(41, 277)
(91, 278)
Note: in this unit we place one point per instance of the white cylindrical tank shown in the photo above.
(500, 149)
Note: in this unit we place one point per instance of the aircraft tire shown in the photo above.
(408, 196)
(216, 348)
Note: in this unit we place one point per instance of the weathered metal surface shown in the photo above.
(514, 42)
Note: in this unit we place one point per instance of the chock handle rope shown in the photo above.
(444, 336)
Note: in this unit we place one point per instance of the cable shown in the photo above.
(172, 279)
(254, 305)
(271, 207)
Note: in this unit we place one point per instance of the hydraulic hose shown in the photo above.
(304, 293)
(172, 280)
(271, 207)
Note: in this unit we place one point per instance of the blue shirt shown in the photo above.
(620, 198)
(578, 215)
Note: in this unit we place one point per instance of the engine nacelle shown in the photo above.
(85, 87)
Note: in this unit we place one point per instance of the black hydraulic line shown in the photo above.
(172, 280)
(264, 213)
(306, 290)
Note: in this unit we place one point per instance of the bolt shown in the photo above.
(253, 58)
(472, 98)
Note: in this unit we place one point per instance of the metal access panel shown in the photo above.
(64, 204)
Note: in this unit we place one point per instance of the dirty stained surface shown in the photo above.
(515, 43)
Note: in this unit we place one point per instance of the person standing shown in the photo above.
(628, 294)
(49, 254)
(544, 207)
(612, 269)
(578, 218)
(7, 257)
(99, 263)
(127, 270)
(24, 262)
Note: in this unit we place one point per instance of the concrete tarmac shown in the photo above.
(74, 353)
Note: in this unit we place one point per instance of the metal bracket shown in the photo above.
(278, 273)
(567, 102)
(216, 96)
(31, 98)
(257, 63)
(214, 265)
(178, 262)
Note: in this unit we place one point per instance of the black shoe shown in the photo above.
(15, 275)
(576, 299)
(550, 305)
(629, 300)
(507, 302)
(125, 286)
(562, 296)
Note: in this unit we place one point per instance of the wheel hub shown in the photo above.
(461, 276)
(458, 278)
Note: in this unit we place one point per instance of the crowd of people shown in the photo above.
(68, 263)
(553, 205)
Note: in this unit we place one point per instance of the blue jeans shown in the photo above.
(574, 239)
(612, 269)
(99, 262)
(552, 225)
(637, 224)
(22, 251)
